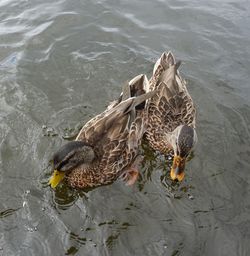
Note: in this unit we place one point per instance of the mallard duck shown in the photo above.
(171, 115)
(107, 146)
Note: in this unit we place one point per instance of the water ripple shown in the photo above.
(55, 59)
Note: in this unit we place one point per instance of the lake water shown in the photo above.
(61, 62)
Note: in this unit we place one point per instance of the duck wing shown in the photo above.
(115, 134)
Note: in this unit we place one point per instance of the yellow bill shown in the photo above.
(56, 178)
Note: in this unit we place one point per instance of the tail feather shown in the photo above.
(118, 113)
(139, 85)
(169, 79)
(165, 61)
(168, 73)
(135, 87)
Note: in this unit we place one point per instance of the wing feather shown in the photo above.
(172, 104)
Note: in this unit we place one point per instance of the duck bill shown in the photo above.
(56, 178)
(177, 169)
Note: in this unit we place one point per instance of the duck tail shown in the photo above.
(135, 87)
(169, 74)
(139, 85)
(166, 60)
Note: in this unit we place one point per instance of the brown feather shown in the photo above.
(115, 136)
(171, 106)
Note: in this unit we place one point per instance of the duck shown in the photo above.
(171, 128)
(107, 146)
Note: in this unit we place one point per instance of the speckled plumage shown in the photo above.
(114, 136)
(170, 107)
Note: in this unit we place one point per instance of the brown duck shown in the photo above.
(107, 146)
(171, 114)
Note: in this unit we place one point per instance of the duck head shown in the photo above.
(183, 139)
(69, 157)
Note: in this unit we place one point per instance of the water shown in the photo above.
(61, 62)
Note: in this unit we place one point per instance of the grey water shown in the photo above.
(61, 62)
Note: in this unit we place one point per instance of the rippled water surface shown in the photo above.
(60, 63)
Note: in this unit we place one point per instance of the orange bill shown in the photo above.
(177, 169)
